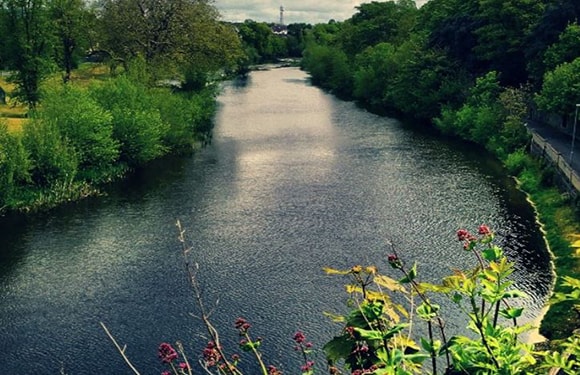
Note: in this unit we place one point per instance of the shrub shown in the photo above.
(517, 161)
(85, 125)
(14, 165)
(53, 157)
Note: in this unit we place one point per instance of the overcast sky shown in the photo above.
(295, 11)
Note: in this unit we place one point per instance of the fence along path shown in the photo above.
(546, 150)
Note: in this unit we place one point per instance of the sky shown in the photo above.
(295, 11)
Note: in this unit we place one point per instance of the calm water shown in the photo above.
(295, 180)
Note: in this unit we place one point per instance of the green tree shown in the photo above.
(53, 157)
(377, 22)
(85, 125)
(330, 68)
(502, 36)
(173, 36)
(136, 122)
(556, 17)
(561, 89)
(565, 50)
(71, 21)
(30, 39)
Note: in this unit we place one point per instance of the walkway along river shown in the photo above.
(295, 180)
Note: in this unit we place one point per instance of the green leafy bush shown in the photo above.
(14, 165)
(53, 157)
(85, 125)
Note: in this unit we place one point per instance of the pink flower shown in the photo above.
(484, 230)
(184, 366)
(299, 337)
(272, 370)
(394, 261)
(211, 354)
(167, 353)
(463, 234)
(306, 367)
(242, 324)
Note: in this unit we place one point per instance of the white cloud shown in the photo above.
(295, 11)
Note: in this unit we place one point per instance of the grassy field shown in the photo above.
(14, 114)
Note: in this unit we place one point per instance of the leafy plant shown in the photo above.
(377, 335)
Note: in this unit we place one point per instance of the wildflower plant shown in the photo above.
(377, 335)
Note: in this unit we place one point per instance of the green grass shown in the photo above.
(557, 214)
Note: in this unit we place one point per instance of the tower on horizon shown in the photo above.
(281, 14)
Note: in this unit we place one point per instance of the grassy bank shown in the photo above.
(92, 131)
(558, 216)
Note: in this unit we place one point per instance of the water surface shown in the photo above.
(295, 180)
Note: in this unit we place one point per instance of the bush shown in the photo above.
(53, 157)
(517, 161)
(14, 165)
(85, 125)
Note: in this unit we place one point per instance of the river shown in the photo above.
(294, 180)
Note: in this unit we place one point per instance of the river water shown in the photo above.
(295, 180)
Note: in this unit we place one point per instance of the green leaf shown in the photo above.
(338, 348)
(396, 329)
(492, 253)
(369, 334)
(411, 275)
(457, 298)
(426, 344)
(512, 313)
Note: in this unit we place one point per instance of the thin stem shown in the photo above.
(431, 341)
(121, 350)
(256, 354)
(440, 322)
(213, 333)
(482, 265)
(479, 325)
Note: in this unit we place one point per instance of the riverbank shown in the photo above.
(93, 131)
(557, 216)
(558, 220)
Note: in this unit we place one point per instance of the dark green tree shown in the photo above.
(173, 36)
(377, 22)
(71, 20)
(561, 89)
(501, 38)
(565, 50)
(30, 43)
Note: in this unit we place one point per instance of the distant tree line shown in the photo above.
(471, 67)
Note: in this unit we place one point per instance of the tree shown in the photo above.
(85, 126)
(506, 25)
(70, 19)
(29, 35)
(378, 22)
(168, 34)
(561, 89)
(565, 50)
(557, 15)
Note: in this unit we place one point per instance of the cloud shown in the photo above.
(295, 11)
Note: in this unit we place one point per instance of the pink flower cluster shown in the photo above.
(242, 325)
(166, 353)
(469, 240)
(211, 354)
